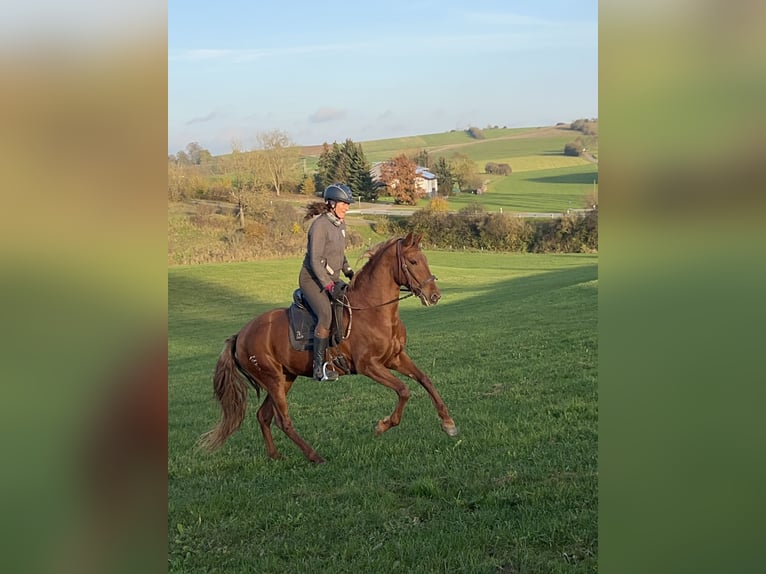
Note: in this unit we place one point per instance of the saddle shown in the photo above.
(302, 321)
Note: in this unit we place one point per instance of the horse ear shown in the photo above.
(412, 239)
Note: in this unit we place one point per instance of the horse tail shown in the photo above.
(231, 391)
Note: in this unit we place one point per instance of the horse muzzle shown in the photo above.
(431, 298)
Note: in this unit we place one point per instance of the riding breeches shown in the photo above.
(317, 298)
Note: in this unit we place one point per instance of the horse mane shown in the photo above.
(373, 254)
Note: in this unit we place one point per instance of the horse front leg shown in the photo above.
(380, 374)
(403, 364)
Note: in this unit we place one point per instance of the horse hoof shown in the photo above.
(317, 460)
(450, 429)
(382, 426)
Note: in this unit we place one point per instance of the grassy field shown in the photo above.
(512, 348)
(545, 190)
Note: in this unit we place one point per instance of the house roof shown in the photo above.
(419, 171)
(424, 173)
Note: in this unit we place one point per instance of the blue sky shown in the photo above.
(331, 70)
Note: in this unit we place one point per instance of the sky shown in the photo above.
(333, 70)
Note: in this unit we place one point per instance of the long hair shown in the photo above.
(316, 208)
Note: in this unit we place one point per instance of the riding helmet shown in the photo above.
(338, 192)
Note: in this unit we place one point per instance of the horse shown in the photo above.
(373, 343)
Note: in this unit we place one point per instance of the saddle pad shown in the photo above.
(301, 330)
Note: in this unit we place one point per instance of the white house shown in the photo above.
(426, 181)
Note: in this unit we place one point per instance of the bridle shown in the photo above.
(417, 289)
(407, 284)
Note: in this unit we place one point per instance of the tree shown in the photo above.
(475, 133)
(240, 182)
(464, 171)
(399, 176)
(442, 170)
(280, 157)
(346, 163)
(183, 158)
(497, 168)
(307, 186)
(422, 158)
(175, 180)
(197, 154)
(574, 148)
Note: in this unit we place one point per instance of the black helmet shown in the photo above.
(338, 192)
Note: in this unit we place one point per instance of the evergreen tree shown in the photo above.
(442, 170)
(345, 163)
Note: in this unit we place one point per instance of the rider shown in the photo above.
(325, 259)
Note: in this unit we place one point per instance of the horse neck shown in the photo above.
(377, 285)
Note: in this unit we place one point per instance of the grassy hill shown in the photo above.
(543, 178)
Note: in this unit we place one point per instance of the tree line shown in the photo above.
(274, 166)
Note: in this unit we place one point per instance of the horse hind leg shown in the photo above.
(265, 417)
(278, 397)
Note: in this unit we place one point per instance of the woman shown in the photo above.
(325, 260)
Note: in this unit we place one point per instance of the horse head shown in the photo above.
(415, 274)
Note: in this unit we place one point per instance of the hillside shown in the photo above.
(543, 183)
(498, 144)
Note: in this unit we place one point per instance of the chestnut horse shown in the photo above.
(374, 339)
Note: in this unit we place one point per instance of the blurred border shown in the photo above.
(681, 282)
(84, 115)
(84, 300)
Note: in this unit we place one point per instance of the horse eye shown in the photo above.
(413, 262)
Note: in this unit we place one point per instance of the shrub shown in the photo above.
(574, 148)
(497, 168)
(439, 204)
(475, 133)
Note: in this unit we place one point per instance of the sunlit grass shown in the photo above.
(511, 347)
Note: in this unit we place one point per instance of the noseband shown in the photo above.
(409, 277)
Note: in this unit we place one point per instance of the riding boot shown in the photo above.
(321, 373)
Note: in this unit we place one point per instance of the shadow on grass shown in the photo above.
(578, 178)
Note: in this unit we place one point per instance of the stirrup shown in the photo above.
(328, 375)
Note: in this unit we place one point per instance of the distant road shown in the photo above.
(368, 209)
(408, 212)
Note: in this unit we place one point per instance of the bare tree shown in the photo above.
(239, 183)
(280, 157)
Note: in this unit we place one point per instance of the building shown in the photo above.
(425, 181)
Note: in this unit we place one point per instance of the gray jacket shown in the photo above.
(325, 249)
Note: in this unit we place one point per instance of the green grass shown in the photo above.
(544, 190)
(548, 190)
(512, 348)
(379, 150)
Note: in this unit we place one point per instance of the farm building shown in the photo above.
(426, 181)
